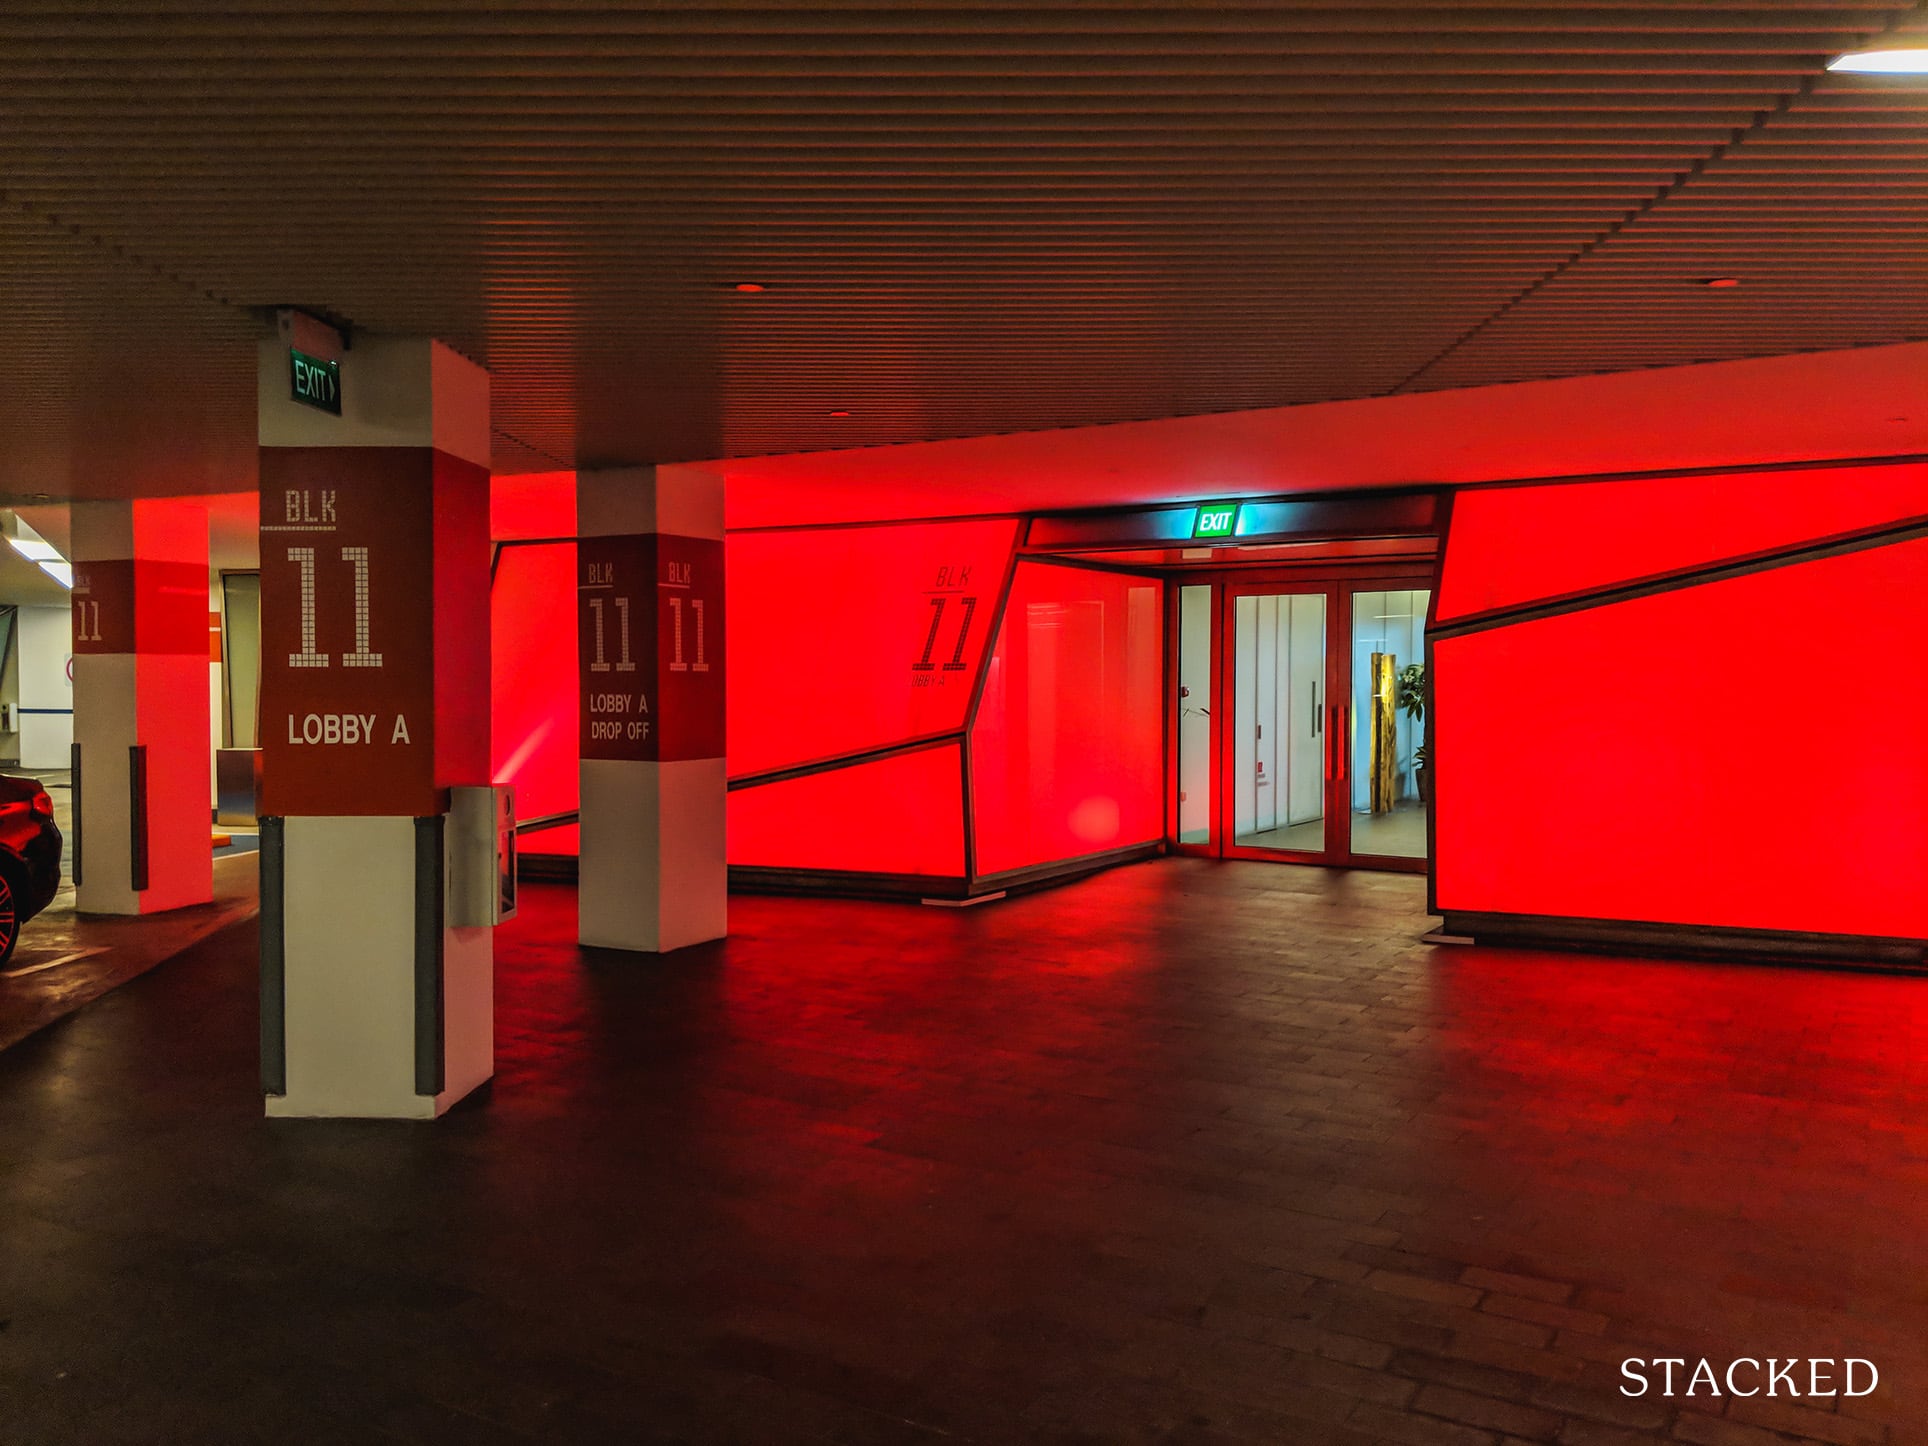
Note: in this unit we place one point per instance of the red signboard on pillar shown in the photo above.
(347, 631)
(121, 605)
(103, 602)
(650, 636)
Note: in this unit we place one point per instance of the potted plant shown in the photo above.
(1411, 699)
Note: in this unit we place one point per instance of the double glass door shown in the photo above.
(1301, 721)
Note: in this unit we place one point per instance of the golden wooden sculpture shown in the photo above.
(1383, 755)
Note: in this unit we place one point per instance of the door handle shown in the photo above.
(1335, 751)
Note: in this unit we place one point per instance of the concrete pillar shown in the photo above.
(140, 706)
(650, 626)
(374, 705)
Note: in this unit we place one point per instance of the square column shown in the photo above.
(143, 827)
(374, 706)
(653, 872)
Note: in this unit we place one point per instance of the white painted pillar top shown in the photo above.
(396, 391)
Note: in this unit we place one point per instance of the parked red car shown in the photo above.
(29, 856)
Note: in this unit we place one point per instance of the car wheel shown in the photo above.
(9, 918)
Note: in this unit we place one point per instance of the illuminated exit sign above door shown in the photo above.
(1220, 519)
(314, 382)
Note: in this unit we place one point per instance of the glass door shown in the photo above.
(1300, 721)
(1387, 780)
(1278, 762)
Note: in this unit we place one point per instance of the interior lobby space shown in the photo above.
(1190, 1152)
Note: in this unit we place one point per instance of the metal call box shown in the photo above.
(481, 856)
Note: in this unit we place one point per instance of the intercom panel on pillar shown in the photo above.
(142, 762)
(377, 975)
(653, 873)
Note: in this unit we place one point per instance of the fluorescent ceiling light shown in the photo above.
(1882, 62)
(31, 544)
(36, 548)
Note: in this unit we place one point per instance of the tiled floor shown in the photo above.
(1190, 1153)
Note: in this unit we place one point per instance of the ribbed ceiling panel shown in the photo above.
(968, 218)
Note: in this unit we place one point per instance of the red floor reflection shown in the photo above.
(1186, 1106)
(1188, 1152)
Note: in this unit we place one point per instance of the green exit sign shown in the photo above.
(1219, 520)
(314, 382)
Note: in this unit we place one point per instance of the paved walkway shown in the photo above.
(65, 959)
(1188, 1153)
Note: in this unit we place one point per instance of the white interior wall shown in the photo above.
(10, 694)
(46, 687)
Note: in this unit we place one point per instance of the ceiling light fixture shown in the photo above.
(32, 546)
(840, 414)
(1720, 283)
(36, 549)
(1898, 61)
(749, 287)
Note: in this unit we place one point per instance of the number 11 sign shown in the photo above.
(350, 644)
(650, 628)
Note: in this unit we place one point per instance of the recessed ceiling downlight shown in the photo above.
(1898, 61)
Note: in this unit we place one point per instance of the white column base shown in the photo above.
(654, 875)
(349, 978)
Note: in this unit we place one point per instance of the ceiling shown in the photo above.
(968, 219)
(1787, 411)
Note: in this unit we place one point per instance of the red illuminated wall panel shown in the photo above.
(1745, 753)
(539, 504)
(532, 605)
(1511, 545)
(847, 639)
(903, 814)
(1067, 755)
(562, 842)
